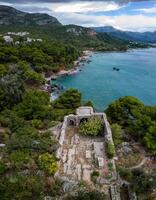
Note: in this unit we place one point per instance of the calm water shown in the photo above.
(99, 83)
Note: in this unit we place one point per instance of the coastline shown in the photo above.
(53, 89)
(85, 57)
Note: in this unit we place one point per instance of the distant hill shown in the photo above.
(128, 35)
(10, 16)
(48, 27)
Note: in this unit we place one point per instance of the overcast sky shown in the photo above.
(134, 15)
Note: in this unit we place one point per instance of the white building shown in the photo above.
(8, 39)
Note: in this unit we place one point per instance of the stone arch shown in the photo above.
(72, 122)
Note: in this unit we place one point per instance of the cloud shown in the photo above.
(86, 6)
(93, 13)
(138, 22)
(148, 10)
(64, 1)
(5, 3)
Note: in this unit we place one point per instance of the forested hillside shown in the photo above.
(47, 27)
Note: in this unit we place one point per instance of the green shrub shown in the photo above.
(117, 134)
(110, 166)
(92, 127)
(87, 195)
(125, 173)
(37, 123)
(94, 176)
(48, 163)
(19, 159)
(110, 149)
(3, 168)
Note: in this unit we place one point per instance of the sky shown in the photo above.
(132, 15)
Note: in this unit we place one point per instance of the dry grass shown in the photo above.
(129, 160)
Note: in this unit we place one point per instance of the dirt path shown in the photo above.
(140, 164)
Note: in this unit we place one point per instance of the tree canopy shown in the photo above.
(136, 118)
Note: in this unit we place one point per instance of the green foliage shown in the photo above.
(35, 105)
(11, 90)
(33, 77)
(48, 163)
(87, 195)
(110, 149)
(71, 99)
(150, 138)
(94, 176)
(3, 70)
(93, 126)
(137, 119)
(3, 168)
(142, 183)
(125, 174)
(89, 103)
(117, 134)
(66, 104)
(19, 187)
(11, 120)
(19, 159)
(41, 56)
(29, 139)
(37, 123)
(120, 111)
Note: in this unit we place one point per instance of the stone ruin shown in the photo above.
(80, 155)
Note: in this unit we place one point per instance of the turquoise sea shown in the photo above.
(99, 83)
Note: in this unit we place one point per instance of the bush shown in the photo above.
(71, 99)
(35, 105)
(48, 163)
(117, 134)
(110, 149)
(37, 123)
(19, 159)
(94, 176)
(87, 195)
(19, 187)
(3, 168)
(92, 127)
(125, 174)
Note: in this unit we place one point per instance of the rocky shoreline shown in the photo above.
(85, 57)
(54, 89)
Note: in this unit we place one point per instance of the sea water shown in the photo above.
(101, 84)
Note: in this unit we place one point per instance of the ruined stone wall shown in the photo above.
(75, 120)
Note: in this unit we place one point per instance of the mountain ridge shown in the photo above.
(18, 17)
(128, 35)
(48, 27)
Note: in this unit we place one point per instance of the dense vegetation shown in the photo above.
(137, 119)
(27, 151)
(87, 195)
(135, 122)
(28, 159)
(92, 126)
(47, 27)
(28, 162)
(36, 57)
(140, 182)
